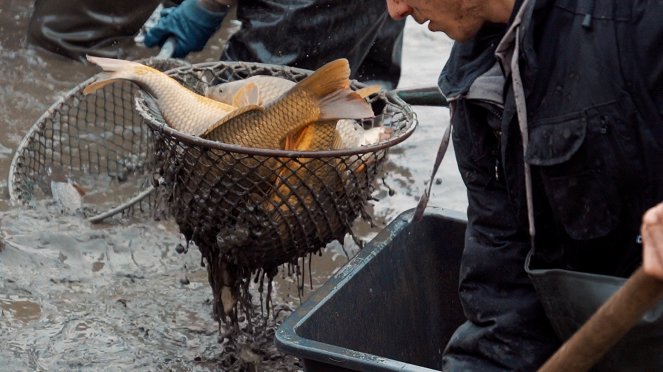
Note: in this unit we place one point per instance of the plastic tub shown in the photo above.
(393, 307)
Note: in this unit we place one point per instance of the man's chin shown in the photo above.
(459, 34)
(456, 35)
(433, 27)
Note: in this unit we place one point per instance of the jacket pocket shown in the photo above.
(582, 159)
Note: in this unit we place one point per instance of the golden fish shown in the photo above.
(323, 95)
(260, 89)
(305, 185)
(315, 172)
(183, 109)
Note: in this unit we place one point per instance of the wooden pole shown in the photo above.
(609, 324)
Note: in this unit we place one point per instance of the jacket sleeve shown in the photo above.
(647, 36)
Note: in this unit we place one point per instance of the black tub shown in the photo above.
(393, 307)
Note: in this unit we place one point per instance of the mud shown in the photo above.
(126, 296)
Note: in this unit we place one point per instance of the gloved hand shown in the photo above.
(190, 23)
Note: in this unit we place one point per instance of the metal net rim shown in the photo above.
(231, 148)
(191, 140)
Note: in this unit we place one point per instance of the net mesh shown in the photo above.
(100, 140)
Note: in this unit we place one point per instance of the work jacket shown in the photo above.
(577, 120)
(309, 33)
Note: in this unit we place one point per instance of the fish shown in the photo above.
(308, 184)
(324, 95)
(67, 193)
(182, 109)
(267, 88)
(260, 89)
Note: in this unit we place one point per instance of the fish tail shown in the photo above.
(331, 85)
(115, 69)
(365, 92)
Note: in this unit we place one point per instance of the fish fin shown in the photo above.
(344, 104)
(103, 79)
(290, 139)
(79, 188)
(112, 64)
(331, 85)
(231, 115)
(247, 95)
(327, 79)
(116, 69)
(365, 92)
(305, 138)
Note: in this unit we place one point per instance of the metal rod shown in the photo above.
(168, 48)
(111, 212)
(429, 96)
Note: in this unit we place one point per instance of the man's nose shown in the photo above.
(398, 9)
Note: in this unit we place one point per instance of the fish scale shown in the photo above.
(267, 128)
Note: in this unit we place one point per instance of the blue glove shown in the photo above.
(191, 24)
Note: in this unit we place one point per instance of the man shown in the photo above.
(557, 127)
(299, 33)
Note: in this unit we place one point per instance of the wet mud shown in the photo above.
(126, 295)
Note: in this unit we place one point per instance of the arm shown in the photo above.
(192, 23)
(652, 241)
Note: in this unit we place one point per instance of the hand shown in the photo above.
(652, 241)
(191, 24)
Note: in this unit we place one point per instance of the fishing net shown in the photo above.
(248, 210)
(100, 141)
(251, 210)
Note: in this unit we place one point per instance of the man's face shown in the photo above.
(459, 19)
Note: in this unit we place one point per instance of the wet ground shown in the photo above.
(121, 297)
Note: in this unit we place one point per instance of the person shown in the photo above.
(652, 241)
(301, 33)
(78, 27)
(556, 109)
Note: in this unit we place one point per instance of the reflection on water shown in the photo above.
(120, 296)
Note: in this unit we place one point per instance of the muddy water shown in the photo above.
(120, 296)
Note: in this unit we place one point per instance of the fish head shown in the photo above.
(225, 92)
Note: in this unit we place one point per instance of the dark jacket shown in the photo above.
(309, 33)
(592, 73)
